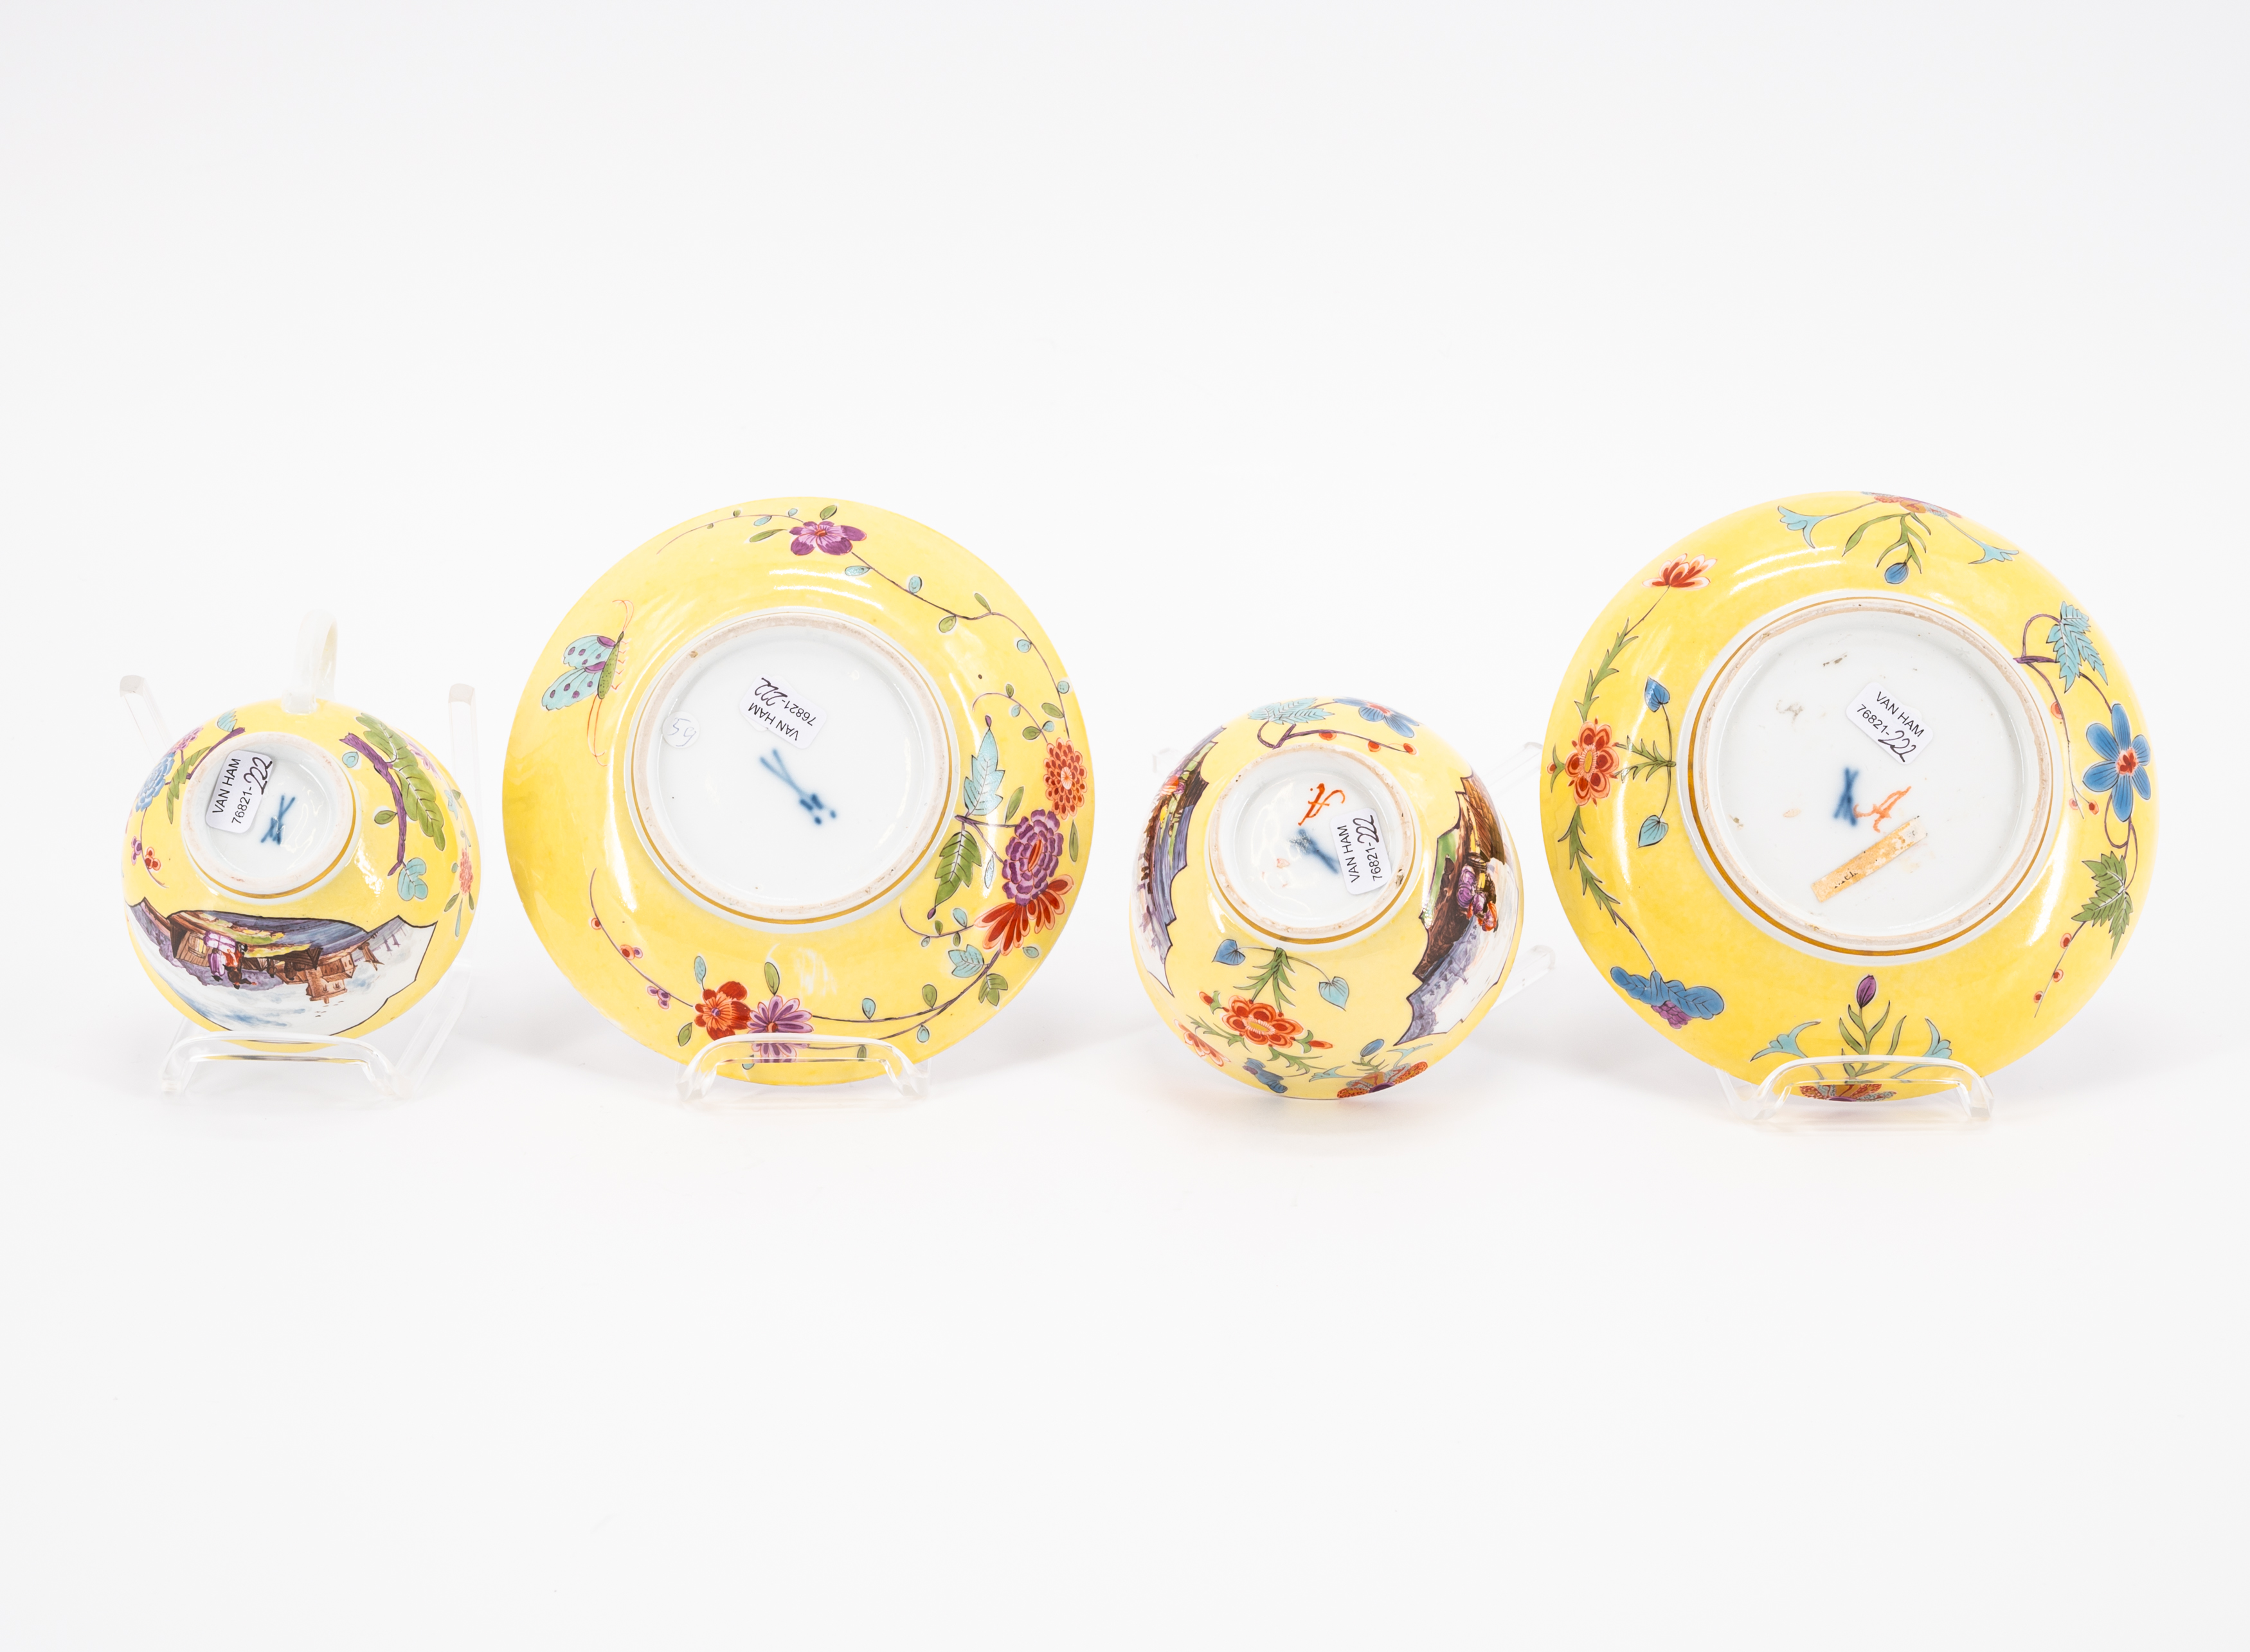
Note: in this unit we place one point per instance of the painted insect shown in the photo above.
(594, 663)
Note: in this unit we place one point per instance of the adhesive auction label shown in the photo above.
(1888, 721)
(240, 788)
(1361, 854)
(772, 706)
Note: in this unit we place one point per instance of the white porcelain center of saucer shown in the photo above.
(791, 766)
(1310, 844)
(1871, 775)
(268, 815)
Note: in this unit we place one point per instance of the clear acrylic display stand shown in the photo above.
(398, 1065)
(748, 1051)
(1828, 1093)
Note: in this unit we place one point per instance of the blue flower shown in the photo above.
(1398, 722)
(1675, 1004)
(1654, 695)
(1272, 1081)
(1793, 521)
(2124, 766)
(155, 783)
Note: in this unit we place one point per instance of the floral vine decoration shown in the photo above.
(995, 849)
(1257, 1016)
(1596, 767)
(400, 765)
(1860, 1061)
(1913, 521)
(2106, 790)
(168, 780)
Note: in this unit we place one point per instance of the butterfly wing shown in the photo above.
(589, 653)
(573, 687)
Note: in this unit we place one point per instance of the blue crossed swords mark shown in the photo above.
(1844, 810)
(809, 802)
(273, 826)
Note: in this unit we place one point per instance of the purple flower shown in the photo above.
(663, 998)
(1675, 1017)
(1033, 853)
(1866, 993)
(834, 538)
(779, 1016)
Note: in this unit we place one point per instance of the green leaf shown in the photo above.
(948, 622)
(417, 793)
(768, 534)
(958, 858)
(928, 995)
(1606, 669)
(980, 603)
(1589, 884)
(383, 817)
(773, 978)
(687, 1033)
(828, 511)
(451, 900)
(1032, 731)
(1015, 802)
(1858, 534)
(1073, 840)
(863, 1053)
(2111, 903)
(1008, 689)
(1050, 708)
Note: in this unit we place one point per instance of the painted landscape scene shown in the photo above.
(280, 975)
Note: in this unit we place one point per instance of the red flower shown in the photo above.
(467, 870)
(1684, 574)
(1593, 763)
(722, 1013)
(1065, 777)
(1006, 925)
(1375, 1081)
(1260, 1024)
(1911, 505)
(629, 952)
(1200, 1046)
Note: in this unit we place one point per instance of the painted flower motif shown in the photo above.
(1273, 1081)
(1593, 763)
(1034, 849)
(1912, 505)
(1373, 1082)
(1398, 722)
(722, 1013)
(1027, 874)
(778, 1014)
(835, 538)
(467, 870)
(1201, 1046)
(1684, 574)
(155, 783)
(1260, 1024)
(629, 952)
(1866, 994)
(1846, 1092)
(1065, 777)
(2123, 769)
(663, 998)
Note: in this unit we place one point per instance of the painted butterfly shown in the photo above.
(594, 663)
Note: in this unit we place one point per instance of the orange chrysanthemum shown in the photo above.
(1006, 925)
(1593, 764)
(1065, 777)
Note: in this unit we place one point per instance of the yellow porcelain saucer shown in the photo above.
(804, 768)
(1849, 778)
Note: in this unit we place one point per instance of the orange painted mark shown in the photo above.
(1322, 796)
(1882, 811)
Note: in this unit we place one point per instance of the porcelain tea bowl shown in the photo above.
(1325, 901)
(299, 868)
(804, 775)
(1846, 784)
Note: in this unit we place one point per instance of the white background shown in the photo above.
(1267, 352)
